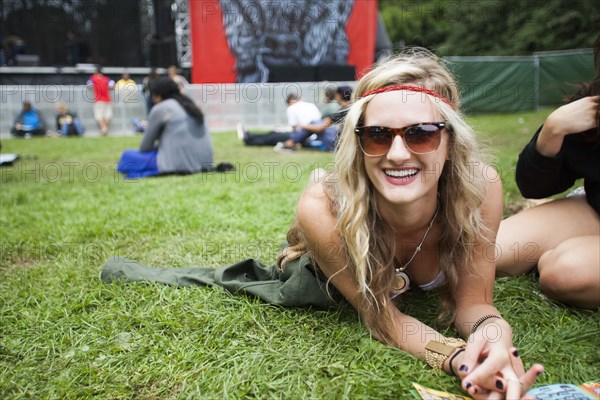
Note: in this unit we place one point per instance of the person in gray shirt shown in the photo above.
(176, 139)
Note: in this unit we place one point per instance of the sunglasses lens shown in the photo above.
(422, 139)
(376, 140)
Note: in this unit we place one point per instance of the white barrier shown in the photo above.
(258, 106)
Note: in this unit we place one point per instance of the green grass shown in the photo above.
(64, 334)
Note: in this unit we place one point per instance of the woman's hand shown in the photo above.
(575, 117)
(490, 370)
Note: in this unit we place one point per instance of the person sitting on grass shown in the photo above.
(29, 122)
(139, 126)
(330, 104)
(175, 140)
(298, 113)
(67, 122)
(405, 208)
(327, 129)
(560, 237)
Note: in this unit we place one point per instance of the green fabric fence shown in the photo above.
(561, 74)
(524, 83)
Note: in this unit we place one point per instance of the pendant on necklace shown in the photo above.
(401, 283)
(401, 280)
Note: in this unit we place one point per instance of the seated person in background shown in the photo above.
(67, 122)
(139, 126)
(176, 139)
(560, 237)
(331, 105)
(298, 113)
(328, 128)
(29, 122)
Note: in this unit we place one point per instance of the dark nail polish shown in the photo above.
(475, 391)
(516, 353)
(539, 373)
(499, 384)
(468, 385)
(463, 368)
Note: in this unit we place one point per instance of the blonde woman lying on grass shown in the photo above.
(408, 207)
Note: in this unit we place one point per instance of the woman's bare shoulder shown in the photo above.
(493, 183)
(314, 208)
(314, 198)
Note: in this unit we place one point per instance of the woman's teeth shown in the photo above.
(400, 173)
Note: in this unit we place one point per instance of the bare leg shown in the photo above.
(103, 124)
(570, 273)
(523, 238)
(563, 239)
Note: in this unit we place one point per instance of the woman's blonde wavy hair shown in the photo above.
(368, 240)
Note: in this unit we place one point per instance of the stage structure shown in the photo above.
(274, 41)
(221, 41)
(182, 33)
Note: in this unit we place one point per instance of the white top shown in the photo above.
(302, 113)
(438, 281)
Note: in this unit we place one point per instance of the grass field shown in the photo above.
(65, 334)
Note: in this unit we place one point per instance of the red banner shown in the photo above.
(362, 32)
(246, 40)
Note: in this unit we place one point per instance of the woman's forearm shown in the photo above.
(407, 333)
(550, 140)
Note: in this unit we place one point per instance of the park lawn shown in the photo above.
(65, 334)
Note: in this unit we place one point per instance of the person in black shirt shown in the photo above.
(561, 237)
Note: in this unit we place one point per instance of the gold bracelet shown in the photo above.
(437, 352)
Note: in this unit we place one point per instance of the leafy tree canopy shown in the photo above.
(491, 27)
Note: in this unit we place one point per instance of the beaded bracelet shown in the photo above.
(436, 352)
(482, 320)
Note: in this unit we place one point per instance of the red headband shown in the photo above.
(412, 89)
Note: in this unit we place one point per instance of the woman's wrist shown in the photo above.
(484, 320)
(554, 127)
(550, 139)
(451, 364)
(495, 331)
(438, 353)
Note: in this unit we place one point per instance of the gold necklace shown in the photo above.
(401, 279)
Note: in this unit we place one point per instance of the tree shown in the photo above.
(508, 27)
